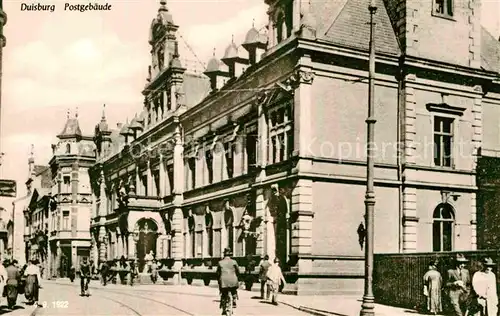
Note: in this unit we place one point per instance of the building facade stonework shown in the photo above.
(265, 152)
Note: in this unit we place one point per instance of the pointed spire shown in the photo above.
(214, 52)
(253, 22)
(163, 5)
(103, 117)
(67, 113)
(176, 50)
(232, 38)
(76, 113)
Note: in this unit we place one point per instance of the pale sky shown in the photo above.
(55, 61)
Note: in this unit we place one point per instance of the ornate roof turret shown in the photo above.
(254, 39)
(125, 130)
(135, 125)
(71, 128)
(103, 124)
(175, 63)
(231, 52)
(163, 14)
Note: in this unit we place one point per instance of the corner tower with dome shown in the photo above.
(264, 152)
(67, 223)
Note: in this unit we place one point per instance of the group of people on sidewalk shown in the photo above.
(15, 281)
(476, 296)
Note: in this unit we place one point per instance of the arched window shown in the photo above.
(68, 148)
(228, 222)
(442, 228)
(192, 236)
(209, 222)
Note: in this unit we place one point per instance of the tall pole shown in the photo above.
(368, 305)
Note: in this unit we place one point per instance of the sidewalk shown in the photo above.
(328, 305)
(324, 305)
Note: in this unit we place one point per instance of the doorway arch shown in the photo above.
(148, 234)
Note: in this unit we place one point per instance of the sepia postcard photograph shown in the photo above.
(250, 157)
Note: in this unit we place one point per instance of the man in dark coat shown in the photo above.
(227, 276)
(458, 284)
(104, 272)
(13, 277)
(84, 276)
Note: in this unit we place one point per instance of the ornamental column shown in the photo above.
(263, 139)
(102, 244)
(149, 179)
(162, 176)
(177, 217)
(302, 82)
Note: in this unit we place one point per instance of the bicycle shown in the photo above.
(227, 304)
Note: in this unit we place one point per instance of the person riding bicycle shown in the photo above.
(227, 276)
(84, 277)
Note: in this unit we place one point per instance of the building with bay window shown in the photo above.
(265, 152)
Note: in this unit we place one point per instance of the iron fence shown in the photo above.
(398, 278)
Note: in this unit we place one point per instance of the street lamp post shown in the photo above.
(368, 306)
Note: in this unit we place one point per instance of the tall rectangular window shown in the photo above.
(209, 160)
(251, 138)
(170, 173)
(443, 141)
(66, 184)
(156, 178)
(192, 172)
(443, 7)
(65, 221)
(144, 180)
(280, 119)
(229, 153)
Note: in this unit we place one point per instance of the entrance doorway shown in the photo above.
(148, 234)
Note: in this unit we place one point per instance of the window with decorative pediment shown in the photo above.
(443, 141)
(280, 127)
(65, 221)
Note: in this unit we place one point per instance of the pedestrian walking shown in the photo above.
(432, 289)
(458, 284)
(3, 279)
(484, 285)
(33, 282)
(84, 277)
(250, 267)
(13, 277)
(154, 271)
(72, 273)
(104, 270)
(263, 268)
(275, 278)
(133, 272)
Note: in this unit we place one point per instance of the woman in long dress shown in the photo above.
(484, 284)
(432, 289)
(33, 279)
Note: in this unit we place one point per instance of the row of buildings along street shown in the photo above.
(264, 152)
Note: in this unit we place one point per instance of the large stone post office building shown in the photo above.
(264, 152)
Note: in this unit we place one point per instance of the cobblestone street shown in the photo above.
(64, 299)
